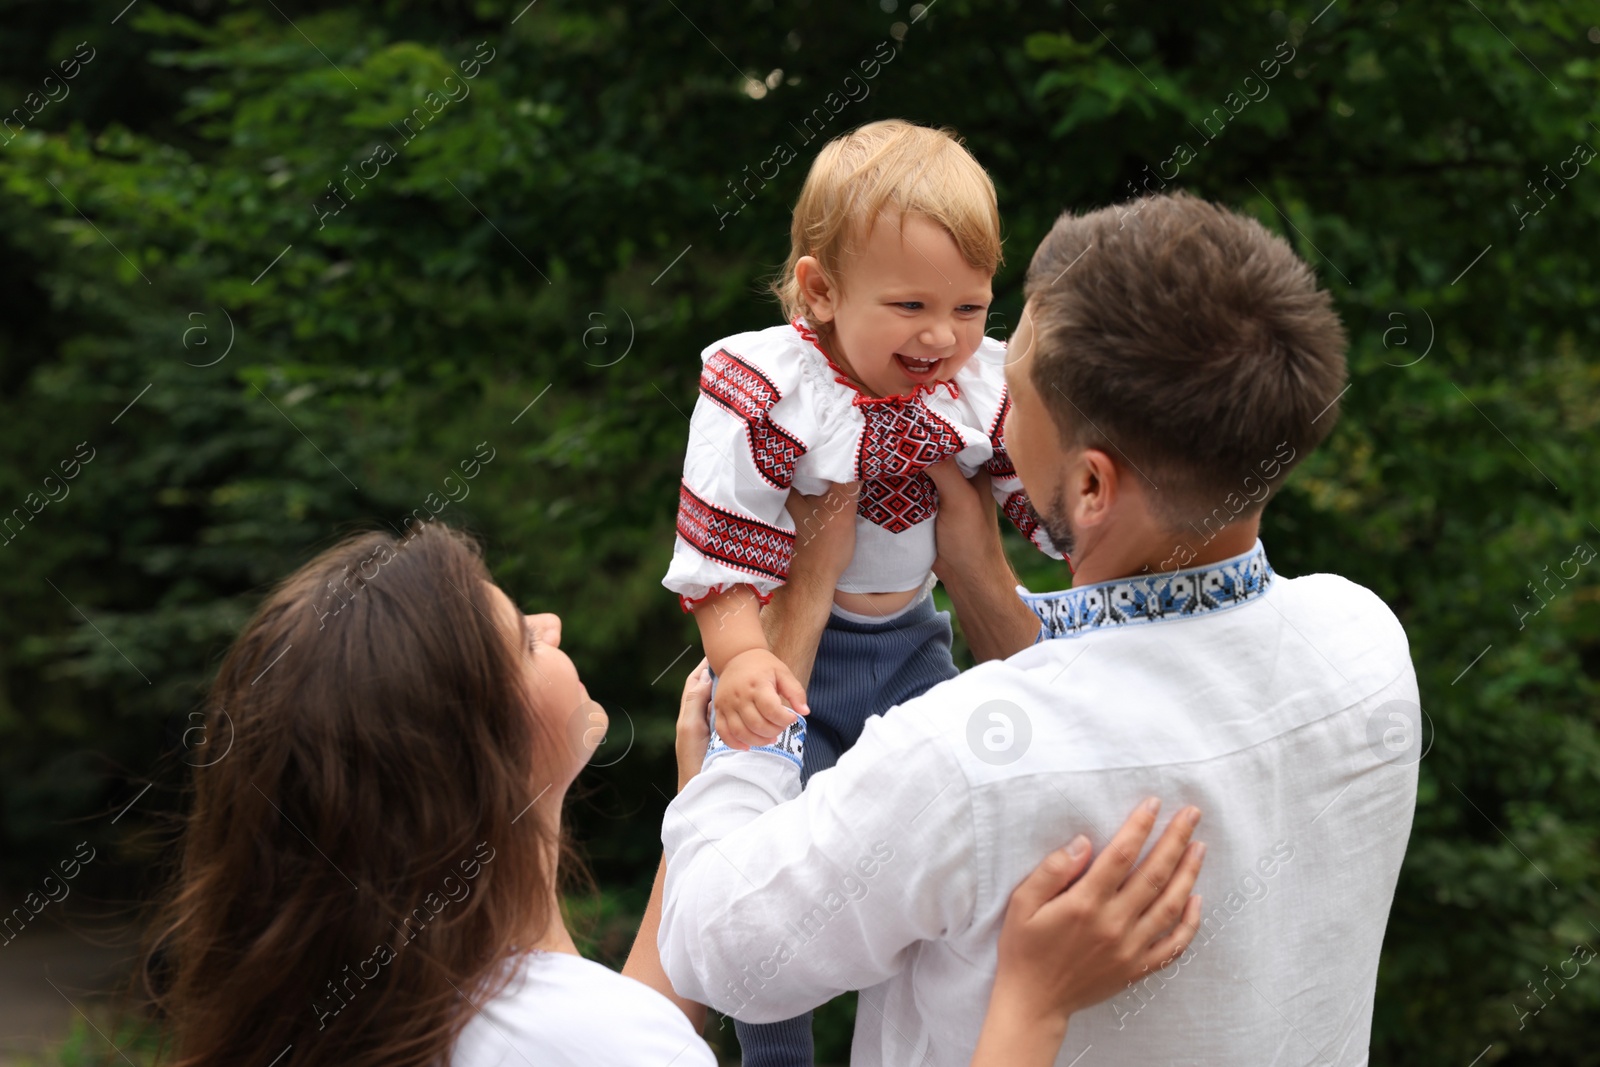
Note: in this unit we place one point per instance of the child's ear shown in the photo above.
(818, 293)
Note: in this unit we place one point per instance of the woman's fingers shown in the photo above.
(1167, 908)
(1164, 951)
(697, 688)
(1111, 867)
(693, 731)
(1147, 880)
(1054, 873)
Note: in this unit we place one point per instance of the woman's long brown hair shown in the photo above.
(356, 869)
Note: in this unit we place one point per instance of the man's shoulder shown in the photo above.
(1334, 603)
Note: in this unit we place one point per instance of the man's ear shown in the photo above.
(816, 290)
(1100, 484)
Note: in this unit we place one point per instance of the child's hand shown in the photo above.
(752, 692)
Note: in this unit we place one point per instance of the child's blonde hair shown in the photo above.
(889, 165)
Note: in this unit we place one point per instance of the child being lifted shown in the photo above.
(895, 240)
(894, 244)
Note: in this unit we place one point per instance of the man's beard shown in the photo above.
(1054, 521)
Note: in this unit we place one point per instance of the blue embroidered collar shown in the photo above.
(1152, 597)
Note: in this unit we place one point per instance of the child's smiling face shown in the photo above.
(909, 311)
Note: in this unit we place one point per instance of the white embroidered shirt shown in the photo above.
(775, 412)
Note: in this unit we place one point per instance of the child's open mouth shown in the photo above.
(918, 370)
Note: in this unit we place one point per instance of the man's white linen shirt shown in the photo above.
(1286, 709)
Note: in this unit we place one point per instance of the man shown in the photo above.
(1174, 362)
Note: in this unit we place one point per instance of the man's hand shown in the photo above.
(972, 564)
(824, 533)
(755, 695)
(966, 526)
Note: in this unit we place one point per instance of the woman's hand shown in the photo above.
(1064, 951)
(694, 723)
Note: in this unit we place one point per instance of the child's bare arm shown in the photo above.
(973, 568)
(730, 624)
(762, 657)
(753, 685)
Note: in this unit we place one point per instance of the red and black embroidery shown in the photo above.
(903, 440)
(999, 465)
(736, 540)
(744, 391)
(775, 451)
(899, 501)
(738, 386)
(1020, 511)
(898, 443)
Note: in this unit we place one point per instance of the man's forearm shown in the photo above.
(794, 621)
(994, 620)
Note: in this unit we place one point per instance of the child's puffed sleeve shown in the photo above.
(984, 392)
(1007, 487)
(733, 528)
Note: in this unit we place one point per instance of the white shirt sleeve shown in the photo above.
(778, 900)
(745, 439)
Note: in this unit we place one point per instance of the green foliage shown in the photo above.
(99, 1043)
(522, 246)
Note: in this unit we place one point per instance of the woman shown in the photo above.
(370, 875)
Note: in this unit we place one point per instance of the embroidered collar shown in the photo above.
(862, 397)
(1152, 597)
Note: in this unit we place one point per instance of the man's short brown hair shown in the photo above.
(1191, 343)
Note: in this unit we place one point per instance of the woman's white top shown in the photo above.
(565, 1011)
(776, 413)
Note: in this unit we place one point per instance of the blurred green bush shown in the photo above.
(268, 329)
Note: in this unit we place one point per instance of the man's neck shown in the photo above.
(1115, 555)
